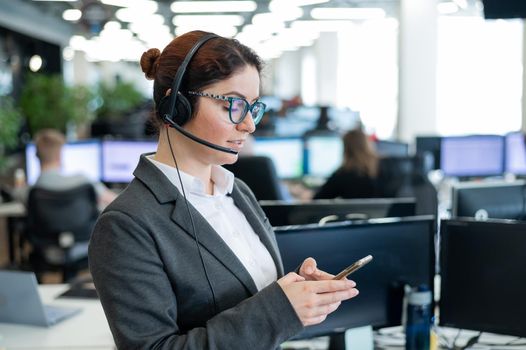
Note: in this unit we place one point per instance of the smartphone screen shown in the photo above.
(355, 266)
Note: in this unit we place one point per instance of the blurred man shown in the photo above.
(49, 144)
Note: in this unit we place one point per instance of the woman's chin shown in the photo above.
(229, 159)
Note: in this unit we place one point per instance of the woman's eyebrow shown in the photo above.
(239, 94)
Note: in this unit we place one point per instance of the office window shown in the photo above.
(368, 73)
(479, 75)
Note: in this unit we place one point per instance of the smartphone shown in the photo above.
(350, 269)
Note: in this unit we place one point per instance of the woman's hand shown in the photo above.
(310, 271)
(314, 300)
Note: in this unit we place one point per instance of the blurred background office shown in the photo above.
(435, 86)
(435, 89)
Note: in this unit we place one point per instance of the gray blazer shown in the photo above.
(151, 282)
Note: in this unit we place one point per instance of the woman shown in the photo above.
(184, 258)
(356, 176)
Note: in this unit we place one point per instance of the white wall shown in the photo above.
(417, 62)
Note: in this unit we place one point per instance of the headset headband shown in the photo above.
(182, 69)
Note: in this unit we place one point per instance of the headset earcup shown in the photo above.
(183, 109)
(162, 107)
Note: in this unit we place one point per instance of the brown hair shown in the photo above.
(49, 143)
(216, 60)
(359, 154)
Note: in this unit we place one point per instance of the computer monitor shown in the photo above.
(297, 121)
(282, 213)
(482, 200)
(515, 153)
(120, 158)
(403, 253)
(429, 144)
(472, 156)
(343, 119)
(286, 154)
(482, 275)
(386, 148)
(324, 154)
(82, 157)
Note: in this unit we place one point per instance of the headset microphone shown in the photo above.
(192, 137)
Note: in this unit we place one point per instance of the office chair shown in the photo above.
(259, 173)
(407, 177)
(59, 226)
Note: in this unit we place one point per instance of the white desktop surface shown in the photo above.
(87, 330)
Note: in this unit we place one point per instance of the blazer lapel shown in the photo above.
(208, 238)
(255, 220)
(211, 241)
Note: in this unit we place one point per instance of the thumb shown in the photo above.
(309, 266)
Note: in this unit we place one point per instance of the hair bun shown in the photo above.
(149, 63)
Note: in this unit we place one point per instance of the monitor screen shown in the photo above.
(467, 156)
(381, 282)
(286, 154)
(516, 153)
(386, 148)
(281, 213)
(77, 158)
(482, 200)
(482, 275)
(343, 118)
(324, 155)
(120, 158)
(297, 121)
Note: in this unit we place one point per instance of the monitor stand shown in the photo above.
(337, 342)
(354, 338)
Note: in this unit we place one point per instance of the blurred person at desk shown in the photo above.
(184, 258)
(355, 178)
(49, 143)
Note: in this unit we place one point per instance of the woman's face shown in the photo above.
(211, 121)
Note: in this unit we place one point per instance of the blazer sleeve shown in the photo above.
(141, 306)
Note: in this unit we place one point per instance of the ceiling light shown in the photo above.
(322, 26)
(286, 13)
(347, 13)
(35, 63)
(146, 5)
(296, 2)
(213, 6)
(72, 15)
(112, 25)
(463, 4)
(133, 14)
(222, 30)
(447, 8)
(233, 20)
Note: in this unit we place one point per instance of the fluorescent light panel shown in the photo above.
(347, 13)
(184, 20)
(213, 6)
(72, 15)
(295, 3)
(225, 30)
(447, 8)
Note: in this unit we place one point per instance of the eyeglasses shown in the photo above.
(238, 107)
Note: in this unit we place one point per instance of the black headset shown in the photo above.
(175, 108)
